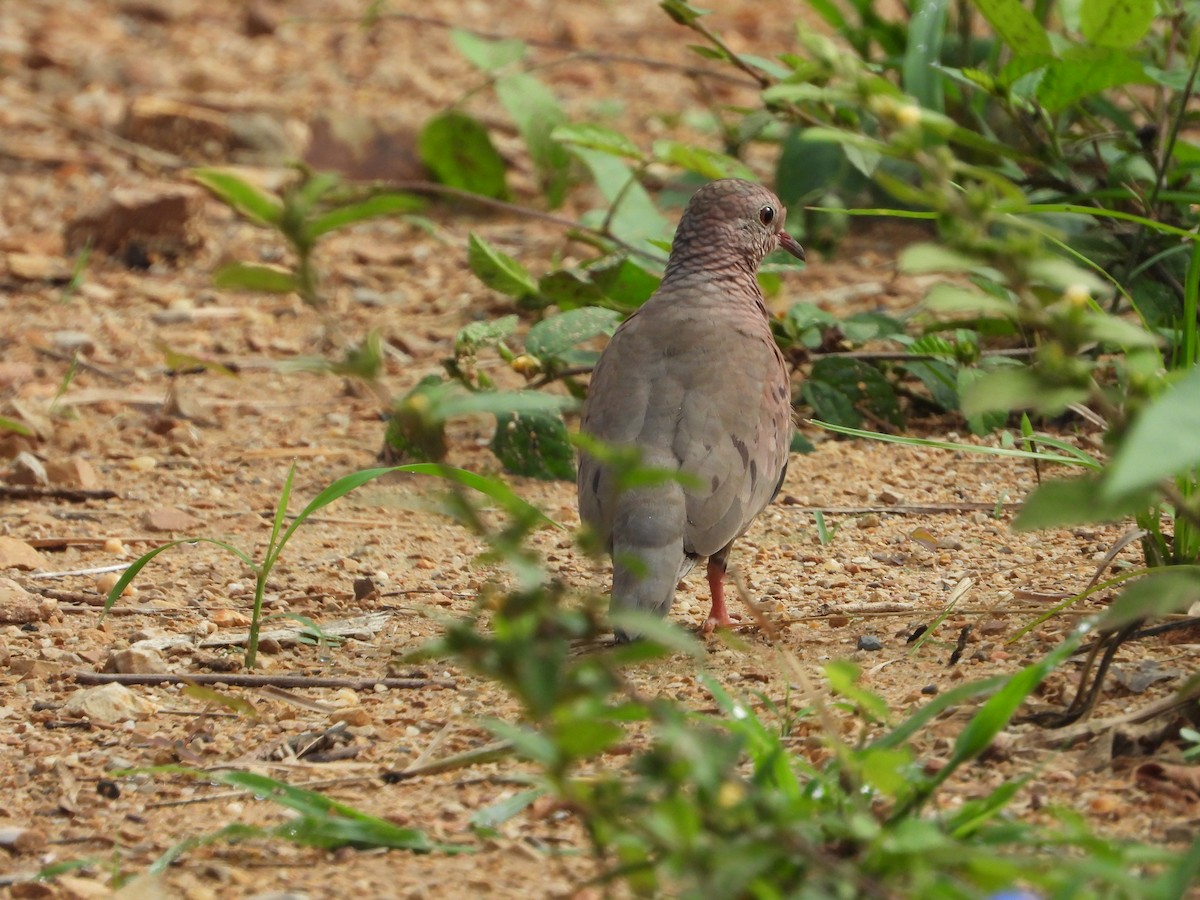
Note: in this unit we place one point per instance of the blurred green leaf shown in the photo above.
(567, 290)
(635, 218)
(1163, 442)
(1065, 502)
(491, 817)
(597, 137)
(325, 822)
(707, 163)
(244, 197)
(1116, 23)
(485, 54)
(537, 113)
(1160, 592)
(459, 153)
(475, 336)
(388, 204)
(15, 427)
(255, 277)
(836, 387)
(552, 339)
(682, 13)
(1086, 71)
(534, 444)
(1014, 389)
(1016, 26)
(624, 281)
(920, 74)
(919, 259)
(497, 270)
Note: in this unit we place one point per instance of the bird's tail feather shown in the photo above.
(648, 555)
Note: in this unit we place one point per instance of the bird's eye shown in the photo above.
(766, 215)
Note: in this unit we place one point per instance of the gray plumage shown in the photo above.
(693, 379)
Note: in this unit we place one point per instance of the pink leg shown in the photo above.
(719, 617)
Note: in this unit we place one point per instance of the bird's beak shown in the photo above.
(791, 245)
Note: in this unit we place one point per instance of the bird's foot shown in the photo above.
(717, 619)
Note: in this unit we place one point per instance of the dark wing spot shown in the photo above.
(716, 483)
(741, 449)
(753, 473)
(779, 484)
(596, 482)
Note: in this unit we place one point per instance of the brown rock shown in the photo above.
(16, 554)
(16, 839)
(74, 471)
(259, 21)
(35, 267)
(110, 703)
(155, 218)
(15, 373)
(364, 149)
(193, 132)
(27, 469)
(230, 618)
(135, 661)
(168, 519)
(19, 607)
(34, 668)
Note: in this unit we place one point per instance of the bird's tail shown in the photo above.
(648, 556)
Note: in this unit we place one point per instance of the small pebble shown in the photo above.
(114, 546)
(143, 463)
(869, 642)
(929, 689)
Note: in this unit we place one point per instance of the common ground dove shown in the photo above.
(693, 380)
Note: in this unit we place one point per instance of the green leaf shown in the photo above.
(551, 339)
(485, 54)
(1013, 389)
(682, 13)
(624, 281)
(388, 204)
(459, 153)
(248, 200)
(15, 427)
(597, 137)
(1076, 459)
(497, 270)
(1016, 26)
(1163, 442)
(325, 822)
(140, 563)
(945, 297)
(836, 387)
(581, 738)
(567, 290)
(1108, 329)
(534, 444)
(1067, 502)
(920, 76)
(487, 333)
(1085, 71)
(636, 219)
(458, 402)
(707, 163)
(1116, 23)
(255, 277)
(492, 817)
(919, 259)
(996, 712)
(1160, 592)
(537, 113)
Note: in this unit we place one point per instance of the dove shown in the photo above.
(694, 382)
